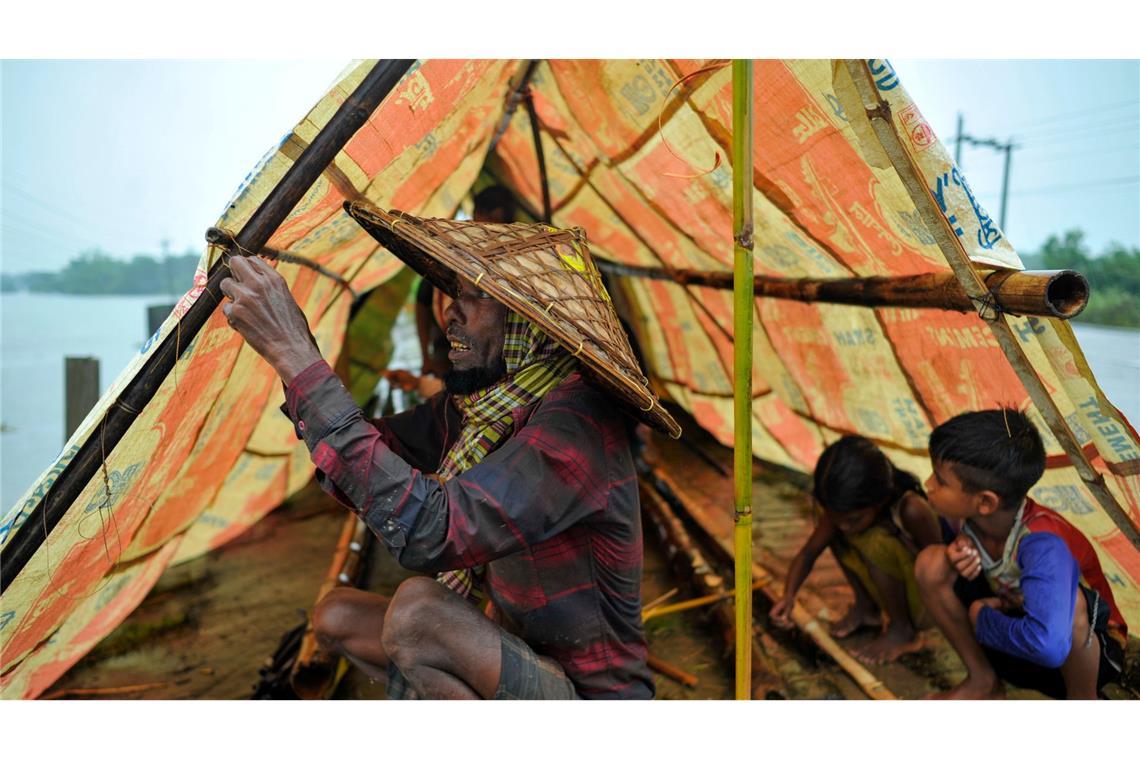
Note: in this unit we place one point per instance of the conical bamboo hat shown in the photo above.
(544, 273)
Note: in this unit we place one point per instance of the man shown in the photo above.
(521, 469)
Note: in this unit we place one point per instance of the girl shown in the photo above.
(875, 518)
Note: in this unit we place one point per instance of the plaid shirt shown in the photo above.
(553, 513)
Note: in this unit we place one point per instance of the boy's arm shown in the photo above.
(920, 521)
(1044, 635)
(802, 564)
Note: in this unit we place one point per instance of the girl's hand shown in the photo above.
(963, 555)
(781, 614)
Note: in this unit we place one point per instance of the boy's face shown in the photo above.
(948, 498)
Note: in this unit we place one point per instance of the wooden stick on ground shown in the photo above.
(683, 677)
(105, 691)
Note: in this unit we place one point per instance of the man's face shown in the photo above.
(476, 326)
(947, 496)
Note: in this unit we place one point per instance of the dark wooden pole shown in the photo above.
(80, 392)
(351, 115)
(1062, 294)
(536, 131)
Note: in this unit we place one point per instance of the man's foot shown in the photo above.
(974, 688)
(888, 647)
(856, 619)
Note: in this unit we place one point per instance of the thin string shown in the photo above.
(660, 128)
(276, 255)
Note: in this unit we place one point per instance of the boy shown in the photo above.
(1019, 592)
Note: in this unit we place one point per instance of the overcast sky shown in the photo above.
(121, 155)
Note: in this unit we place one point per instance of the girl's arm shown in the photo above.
(920, 521)
(802, 564)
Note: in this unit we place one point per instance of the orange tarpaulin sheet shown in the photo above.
(630, 148)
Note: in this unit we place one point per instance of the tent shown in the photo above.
(187, 449)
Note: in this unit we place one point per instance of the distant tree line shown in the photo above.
(1114, 276)
(98, 273)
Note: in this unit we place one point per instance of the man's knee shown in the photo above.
(413, 616)
(335, 618)
(932, 568)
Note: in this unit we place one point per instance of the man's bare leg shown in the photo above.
(444, 646)
(900, 636)
(936, 576)
(1082, 666)
(350, 623)
(863, 611)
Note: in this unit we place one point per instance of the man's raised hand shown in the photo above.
(263, 310)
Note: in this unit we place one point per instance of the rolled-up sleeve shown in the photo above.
(538, 483)
(1044, 634)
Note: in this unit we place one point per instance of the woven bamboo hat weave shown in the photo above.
(542, 273)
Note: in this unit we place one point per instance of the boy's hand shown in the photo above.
(992, 602)
(781, 614)
(963, 555)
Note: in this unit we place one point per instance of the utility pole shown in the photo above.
(1005, 182)
(958, 143)
(1006, 147)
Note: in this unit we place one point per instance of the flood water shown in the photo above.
(38, 330)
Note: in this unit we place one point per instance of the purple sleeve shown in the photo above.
(1044, 634)
(545, 478)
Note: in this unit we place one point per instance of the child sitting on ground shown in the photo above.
(875, 519)
(1019, 593)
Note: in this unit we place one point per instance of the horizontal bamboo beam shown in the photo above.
(1062, 293)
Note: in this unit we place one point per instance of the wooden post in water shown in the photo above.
(80, 390)
(155, 316)
(743, 304)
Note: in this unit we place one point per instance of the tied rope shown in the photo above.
(231, 244)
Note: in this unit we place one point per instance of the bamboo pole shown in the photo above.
(743, 299)
(284, 196)
(878, 113)
(1062, 294)
(652, 611)
(687, 558)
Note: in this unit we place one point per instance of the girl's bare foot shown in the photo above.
(974, 688)
(857, 617)
(888, 647)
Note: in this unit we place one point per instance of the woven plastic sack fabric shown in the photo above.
(630, 148)
(211, 453)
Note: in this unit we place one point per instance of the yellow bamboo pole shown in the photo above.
(743, 299)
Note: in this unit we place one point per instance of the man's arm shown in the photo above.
(537, 484)
(1049, 577)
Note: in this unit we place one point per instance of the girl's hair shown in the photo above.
(853, 474)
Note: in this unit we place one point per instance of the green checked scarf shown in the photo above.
(535, 363)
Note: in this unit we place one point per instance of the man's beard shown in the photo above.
(461, 382)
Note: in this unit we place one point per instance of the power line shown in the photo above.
(1087, 134)
(1070, 114)
(1080, 185)
(1068, 129)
